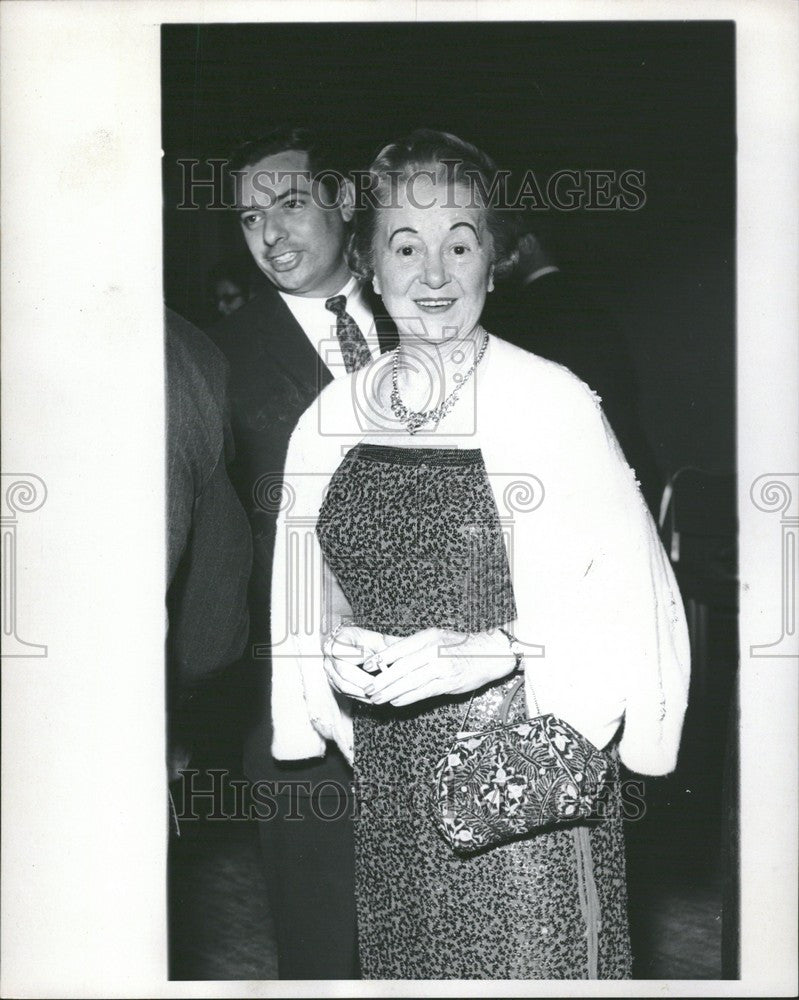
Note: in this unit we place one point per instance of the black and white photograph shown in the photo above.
(424, 371)
(554, 501)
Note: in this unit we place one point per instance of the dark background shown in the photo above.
(652, 96)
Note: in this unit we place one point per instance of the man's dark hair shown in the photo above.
(323, 155)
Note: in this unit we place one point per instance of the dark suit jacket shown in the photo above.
(209, 551)
(275, 374)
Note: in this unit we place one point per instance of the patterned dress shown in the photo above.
(414, 539)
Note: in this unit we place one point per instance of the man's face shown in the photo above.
(295, 241)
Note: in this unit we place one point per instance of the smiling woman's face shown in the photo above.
(432, 258)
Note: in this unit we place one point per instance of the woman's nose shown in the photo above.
(435, 274)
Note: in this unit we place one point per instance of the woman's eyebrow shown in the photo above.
(402, 229)
(468, 225)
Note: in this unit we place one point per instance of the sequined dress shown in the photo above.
(414, 538)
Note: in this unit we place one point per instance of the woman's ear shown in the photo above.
(376, 285)
(491, 278)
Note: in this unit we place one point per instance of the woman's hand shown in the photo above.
(345, 651)
(435, 662)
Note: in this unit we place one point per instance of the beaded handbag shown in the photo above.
(497, 784)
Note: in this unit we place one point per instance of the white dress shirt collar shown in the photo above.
(319, 323)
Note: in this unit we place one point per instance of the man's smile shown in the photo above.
(284, 261)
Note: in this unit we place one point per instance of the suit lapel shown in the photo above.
(384, 325)
(285, 343)
(288, 346)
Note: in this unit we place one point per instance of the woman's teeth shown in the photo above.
(438, 305)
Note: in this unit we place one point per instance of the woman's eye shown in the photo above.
(460, 249)
(249, 220)
(406, 251)
(293, 203)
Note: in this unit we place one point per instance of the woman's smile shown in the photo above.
(435, 305)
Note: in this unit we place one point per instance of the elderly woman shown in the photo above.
(470, 516)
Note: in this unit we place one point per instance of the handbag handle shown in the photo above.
(507, 701)
(504, 708)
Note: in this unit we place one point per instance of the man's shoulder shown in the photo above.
(194, 363)
(265, 312)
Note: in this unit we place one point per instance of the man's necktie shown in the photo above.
(353, 343)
